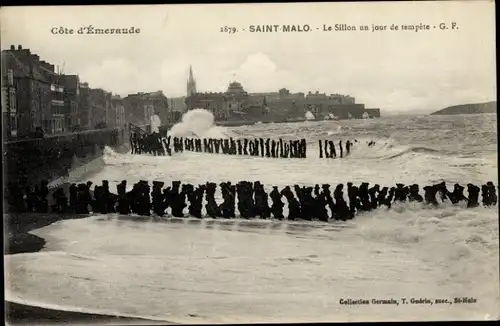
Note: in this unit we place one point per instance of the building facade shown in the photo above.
(373, 113)
(9, 106)
(237, 104)
(119, 111)
(32, 79)
(177, 104)
(84, 107)
(140, 107)
(110, 118)
(60, 112)
(37, 100)
(99, 106)
(46, 100)
(213, 102)
(71, 87)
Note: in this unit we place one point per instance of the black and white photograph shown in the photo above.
(250, 163)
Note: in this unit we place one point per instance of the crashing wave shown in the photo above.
(199, 123)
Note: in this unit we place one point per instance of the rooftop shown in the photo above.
(20, 69)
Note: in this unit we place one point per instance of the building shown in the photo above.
(373, 113)
(234, 104)
(270, 96)
(36, 99)
(98, 108)
(173, 117)
(119, 111)
(177, 104)
(59, 111)
(45, 99)
(283, 105)
(84, 107)
(9, 106)
(141, 106)
(38, 94)
(237, 104)
(236, 98)
(213, 102)
(110, 118)
(134, 109)
(71, 86)
(99, 105)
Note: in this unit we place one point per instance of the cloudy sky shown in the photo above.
(397, 71)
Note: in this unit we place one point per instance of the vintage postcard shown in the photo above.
(250, 163)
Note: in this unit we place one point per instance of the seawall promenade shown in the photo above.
(28, 161)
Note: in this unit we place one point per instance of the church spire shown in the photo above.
(191, 84)
(191, 78)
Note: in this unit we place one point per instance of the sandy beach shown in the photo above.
(19, 314)
(18, 240)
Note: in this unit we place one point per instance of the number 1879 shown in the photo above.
(229, 30)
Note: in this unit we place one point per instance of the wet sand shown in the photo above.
(17, 226)
(19, 314)
(17, 240)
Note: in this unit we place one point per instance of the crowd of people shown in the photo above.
(156, 145)
(249, 198)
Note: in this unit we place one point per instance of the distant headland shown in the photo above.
(474, 108)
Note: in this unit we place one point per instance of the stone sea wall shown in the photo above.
(29, 161)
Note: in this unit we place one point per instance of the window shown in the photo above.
(13, 125)
(13, 107)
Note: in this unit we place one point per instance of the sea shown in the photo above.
(410, 262)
